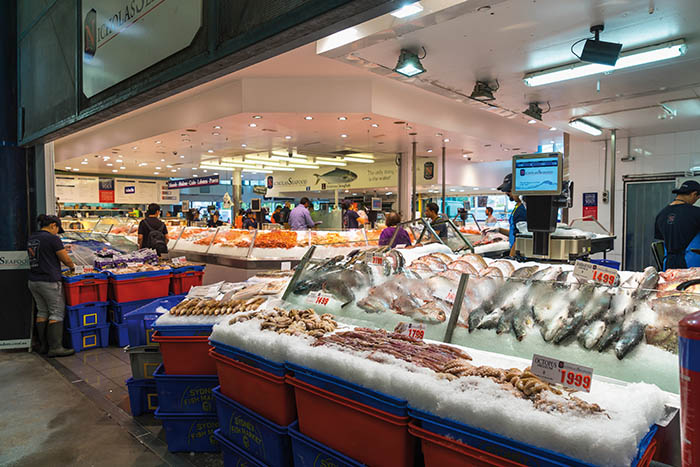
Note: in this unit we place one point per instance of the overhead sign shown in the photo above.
(122, 38)
(133, 191)
(72, 189)
(259, 190)
(106, 190)
(193, 182)
(14, 260)
(129, 190)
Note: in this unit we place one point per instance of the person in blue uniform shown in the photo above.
(518, 214)
(678, 225)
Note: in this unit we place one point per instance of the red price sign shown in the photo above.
(555, 371)
(319, 298)
(594, 272)
(378, 260)
(604, 277)
(575, 380)
(412, 330)
(416, 333)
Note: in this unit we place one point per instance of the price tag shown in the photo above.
(448, 295)
(286, 266)
(133, 265)
(179, 260)
(596, 273)
(319, 298)
(80, 269)
(412, 330)
(567, 374)
(378, 260)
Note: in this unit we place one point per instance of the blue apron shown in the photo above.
(511, 224)
(692, 260)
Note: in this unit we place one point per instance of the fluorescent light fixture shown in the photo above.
(343, 135)
(553, 128)
(289, 159)
(115, 170)
(375, 125)
(123, 168)
(628, 59)
(257, 171)
(286, 154)
(156, 173)
(409, 64)
(337, 163)
(357, 159)
(585, 127)
(217, 127)
(287, 137)
(389, 193)
(257, 116)
(340, 38)
(281, 169)
(303, 166)
(84, 163)
(308, 117)
(252, 125)
(407, 10)
(108, 165)
(532, 121)
(210, 151)
(363, 155)
(342, 119)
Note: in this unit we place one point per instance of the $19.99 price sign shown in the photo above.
(567, 374)
(596, 273)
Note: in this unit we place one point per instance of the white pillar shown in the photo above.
(405, 188)
(237, 192)
(50, 179)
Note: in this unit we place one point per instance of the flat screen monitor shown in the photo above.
(255, 204)
(537, 174)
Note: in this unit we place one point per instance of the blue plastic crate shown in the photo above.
(235, 456)
(256, 435)
(86, 315)
(141, 319)
(256, 361)
(370, 397)
(117, 311)
(143, 396)
(184, 330)
(310, 453)
(82, 277)
(199, 267)
(139, 275)
(502, 446)
(83, 338)
(185, 393)
(118, 334)
(189, 432)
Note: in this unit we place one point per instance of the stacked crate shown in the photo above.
(86, 311)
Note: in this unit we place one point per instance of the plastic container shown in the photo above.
(117, 311)
(189, 432)
(349, 390)
(256, 361)
(689, 362)
(233, 455)
(191, 267)
(85, 288)
(144, 361)
(310, 453)
(184, 329)
(263, 439)
(140, 319)
(181, 282)
(608, 263)
(185, 355)
(118, 334)
(185, 393)
(139, 285)
(361, 432)
(88, 338)
(143, 397)
(513, 450)
(265, 394)
(86, 315)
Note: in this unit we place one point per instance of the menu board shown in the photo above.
(73, 189)
(135, 191)
(168, 196)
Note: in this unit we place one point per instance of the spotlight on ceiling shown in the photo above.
(585, 127)
(407, 10)
(533, 111)
(483, 91)
(597, 51)
(409, 64)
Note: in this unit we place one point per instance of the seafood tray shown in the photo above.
(83, 338)
(185, 393)
(181, 282)
(189, 432)
(514, 450)
(141, 319)
(185, 355)
(85, 288)
(233, 455)
(259, 437)
(119, 334)
(86, 315)
(310, 453)
(143, 397)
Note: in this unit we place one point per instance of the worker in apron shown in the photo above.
(518, 214)
(678, 225)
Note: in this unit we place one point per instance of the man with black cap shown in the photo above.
(678, 224)
(518, 214)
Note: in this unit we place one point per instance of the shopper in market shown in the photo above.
(286, 210)
(351, 218)
(432, 212)
(519, 213)
(678, 225)
(490, 218)
(392, 220)
(249, 221)
(46, 253)
(277, 215)
(300, 217)
(152, 231)
(214, 220)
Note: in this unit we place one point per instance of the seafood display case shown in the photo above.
(195, 242)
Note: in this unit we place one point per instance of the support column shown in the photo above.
(444, 175)
(414, 200)
(237, 192)
(404, 194)
(613, 159)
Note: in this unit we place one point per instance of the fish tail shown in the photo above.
(318, 178)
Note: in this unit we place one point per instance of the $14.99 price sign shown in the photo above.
(319, 298)
(412, 330)
(567, 374)
(596, 273)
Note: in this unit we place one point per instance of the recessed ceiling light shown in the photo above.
(287, 137)
(252, 125)
(143, 164)
(162, 160)
(158, 168)
(366, 118)
(182, 157)
(76, 170)
(532, 121)
(553, 128)
(429, 150)
(257, 116)
(156, 173)
(109, 165)
(216, 133)
(84, 163)
(205, 170)
(375, 125)
(210, 151)
(119, 161)
(115, 170)
(244, 145)
(465, 155)
(343, 135)
(446, 140)
(217, 127)
(135, 148)
(169, 166)
(106, 158)
(173, 170)
(342, 118)
(216, 173)
(122, 168)
(158, 142)
(195, 175)
(308, 117)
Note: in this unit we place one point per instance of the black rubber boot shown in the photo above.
(41, 337)
(55, 336)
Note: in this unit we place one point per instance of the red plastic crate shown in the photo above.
(264, 393)
(141, 288)
(85, 291)
(439, 451)
(180, 283)
(363, 433)
(185, 355)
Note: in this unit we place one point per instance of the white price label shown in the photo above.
(378, 260)
(448, 295)
(319, 298)
(133, 265)
(596, 273)
(567, 374)
(412, 330)
(179, 260)
(80, 269)
(286, 266)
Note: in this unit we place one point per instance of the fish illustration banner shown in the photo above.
(352, 176)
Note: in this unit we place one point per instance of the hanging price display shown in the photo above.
(378, 260)
(412, 330)
(319, 298)
(596, 273)
(567, 374)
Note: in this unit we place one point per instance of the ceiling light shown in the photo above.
(194, 175)
(308, 117)
(252, 125)
(158, 168)
(585, 127)
(162, 160)
(553, 128)
(337, 163)
(84, 163)
(122, 168)
(429, 150)
(158, 142)
(169, 166)
(465, 155)
(289, 159)
(287, 137)
(342, 119)
(210, 151)
(217, 127)
(343, 135)
(106, 158)
(409, 64)
(357, 159)
(476, 188)
(156, 173)
(255, 171)
(257, 116)
(135, 148)
(374, 125)
(534, 111)
(281, 169)
(109, 165)
(446, 140)
(205, 170)
(389, 192)
(182, 157)
(531, 122)
(119, 161)
(142, 164)
(173, 170)
(303, 166)
(114, 170)
(366, 118)
(76, 170)
(627, 59)
(407, 10)
(483, 91)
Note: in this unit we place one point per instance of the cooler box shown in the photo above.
(143, 397)
(85, 288)
(86, 315)
(185, 393)
(141, 318)
(144, 361)
(83, 338)
(185, 278)
(139, 285)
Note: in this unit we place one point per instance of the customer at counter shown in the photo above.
(152, 231)
(46, 253)
(432, 212)
(299, 217)
(392, 220)
(286, 210)
(249, 221)
(351, 218)
(490, 218)
(277, 215)
(519, 213)
(214, 220)
(678, 225)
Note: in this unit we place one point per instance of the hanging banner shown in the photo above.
(590, 205)
(193, 182)
(122, 38)
(106, 190)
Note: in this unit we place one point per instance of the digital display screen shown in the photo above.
(537, 175)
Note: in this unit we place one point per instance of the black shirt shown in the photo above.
(677, 225)
(249, 223)
(43, 262)
(350, 219)
(277, 216)
(285, 215)
(440, 228)
(155, 224)
(218, 223)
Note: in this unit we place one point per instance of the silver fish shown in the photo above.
(647, 284)
(340, 290)
(589, 335)
(550, 327)
(612, 333)
(336, 175)
(524, 272)
(373, 304)
(630, 337)
(598, 304)
(523, 319)
(505, 322)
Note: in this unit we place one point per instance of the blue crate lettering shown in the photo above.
(84, 338)
(311, 453)
(191, 432)
(256, 361)
(143, 396)
(140, 319)
(256, 435)
(235, 456)
(86, 314)
(185, 393)
(119, 334)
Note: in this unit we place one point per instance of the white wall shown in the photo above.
(655, 154)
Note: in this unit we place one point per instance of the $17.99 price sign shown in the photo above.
(319, 298)
(596, 273)
(567, 374)
(412, 330)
